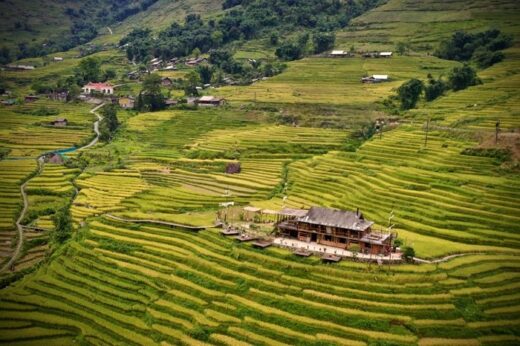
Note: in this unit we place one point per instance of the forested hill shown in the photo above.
(250, 19)
(39, 27)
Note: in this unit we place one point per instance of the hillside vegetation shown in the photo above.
(305, 137)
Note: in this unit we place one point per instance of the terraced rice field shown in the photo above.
(12, 174)
(434, 191)
(144, 285)
(123, 283)
(29, 135)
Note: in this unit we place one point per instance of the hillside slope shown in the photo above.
(116, 282)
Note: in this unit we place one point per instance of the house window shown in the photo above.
(327, 238)
(342, 240)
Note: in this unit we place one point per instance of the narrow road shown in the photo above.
(110, 30)
(40, 160)
(439, 260)
(96, 127)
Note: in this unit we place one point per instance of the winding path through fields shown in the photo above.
(40, 160)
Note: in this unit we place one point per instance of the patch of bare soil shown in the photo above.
(506, 140)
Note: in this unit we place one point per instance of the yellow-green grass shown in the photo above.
(425, 23)
(450, 201)
(336, 81)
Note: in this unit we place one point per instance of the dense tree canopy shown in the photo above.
(409, 93)
(462, 77)
(483, 47)
(252, 19)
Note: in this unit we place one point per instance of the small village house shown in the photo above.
(210, 101)
(195, 61)
(14, 67)
(126, 102)
(102, 88)
(376, 78)
(166, 82)
(171, 102)
(337, 228)
(339, 54)
(57, 58)
(59, 122)
(31, 98)
(55, 158)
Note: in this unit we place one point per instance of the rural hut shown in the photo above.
(59, 122)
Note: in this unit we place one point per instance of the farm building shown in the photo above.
(385, 54)
(55, 158)
(337, 228)
(233, 168)
(171, 102)
(59, 122)
(210, 101)
(31, 98)
(103, 88)
(166, 82)
(195, 61)
(376, 78)
(14, 67)
(57, 58)
(339, 54)
(126, 102)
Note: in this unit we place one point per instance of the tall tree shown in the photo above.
(151, 98)
(89, 70)
(409, 93)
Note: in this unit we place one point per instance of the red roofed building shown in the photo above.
(103, 88)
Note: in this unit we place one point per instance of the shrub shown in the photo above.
(289, 51)
(323, 42)
(434, 89)
(409, 253)
(462, 77)
(409, 92)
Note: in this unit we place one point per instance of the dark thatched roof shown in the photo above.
(336, 218)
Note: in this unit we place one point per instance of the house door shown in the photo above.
(314, 237)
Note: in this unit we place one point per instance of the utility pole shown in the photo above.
(427, 129)
(497, 130)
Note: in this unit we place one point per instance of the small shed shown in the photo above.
(339, 54)
(210, 101)
(59, 122)
(171, 102)
(55, 158)
(233, 168)
(57, 58)
(31, 98)
(385, 54)
(166, 82)
(376, 78)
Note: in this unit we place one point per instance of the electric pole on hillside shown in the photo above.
(427, 129)
(497, 131)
